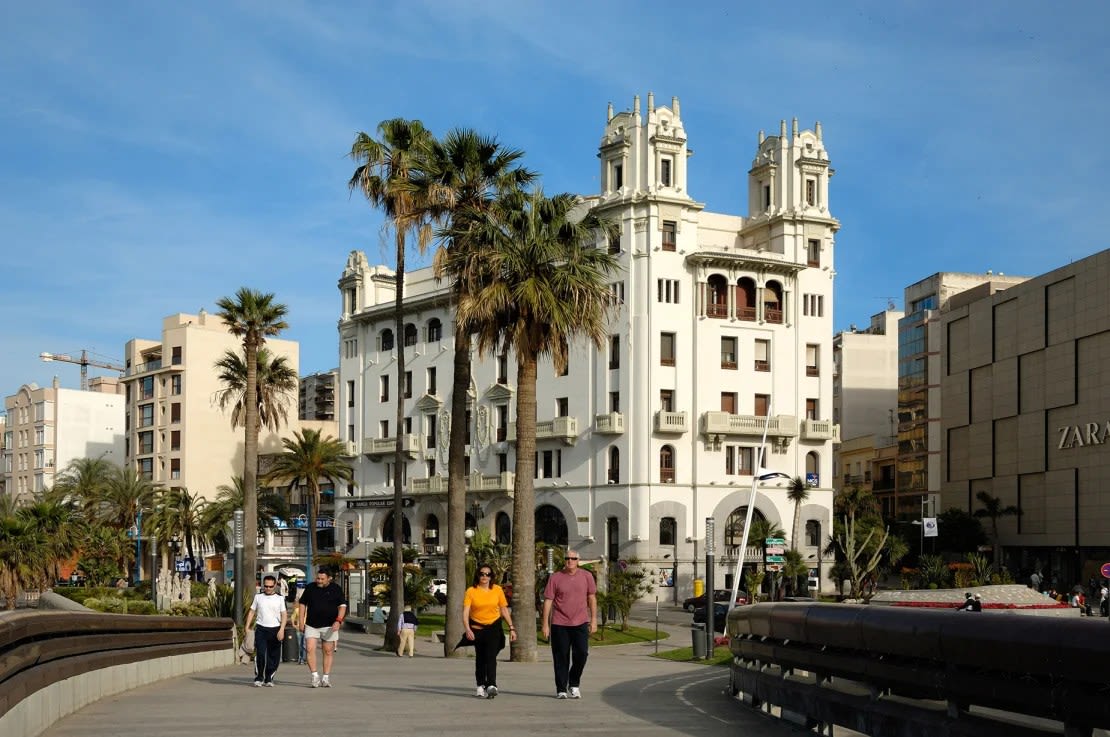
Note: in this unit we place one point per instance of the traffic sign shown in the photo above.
(774, 567)
(774, 541)
(1106, 570)
(775, 550)
(775, 559)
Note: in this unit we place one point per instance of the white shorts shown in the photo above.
(324, 634)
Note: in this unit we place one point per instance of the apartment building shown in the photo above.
(47, 427)
(1026, 416)
(316, 396)
(723, 334)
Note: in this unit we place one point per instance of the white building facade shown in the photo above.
(724, 332)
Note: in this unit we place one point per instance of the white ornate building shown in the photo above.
(725, 330)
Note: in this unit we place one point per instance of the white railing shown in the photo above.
(610, 424)
(670, 421)
(724, 423)
(820, 430)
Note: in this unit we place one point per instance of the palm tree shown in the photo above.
(23, 555)
(252, 316)
(277, 385)
(468, 170)
(544, 283)
(273, 510)
(992, 509)
(180, 514)
(307, 459)
(798, 493)
(387, 174)
(82, 479)
(61, 529)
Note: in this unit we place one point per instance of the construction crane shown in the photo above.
(84, 362)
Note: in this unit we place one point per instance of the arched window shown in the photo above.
(435, 330)
(387, 530)
(716, 296)
(666, 465)
(772, 302)
(668, 531)
(385, 340)
(431, 532)
(813, 464)
(614, 465)
(813, 533)
(410, 334)
(503, 529)
(745, 299)
(734, 527)
(551, 526)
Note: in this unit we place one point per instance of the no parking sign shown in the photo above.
(1105, 570)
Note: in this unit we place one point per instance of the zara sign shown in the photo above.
(1077, 436)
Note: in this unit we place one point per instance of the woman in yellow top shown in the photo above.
(484, 606)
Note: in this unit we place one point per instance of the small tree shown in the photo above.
(862, 555)
(993, 510)
(628, 582)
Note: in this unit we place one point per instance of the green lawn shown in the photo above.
(721, 656)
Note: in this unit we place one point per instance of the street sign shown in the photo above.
(1106, 570)
(776, 550)
(774, 567)
(775, 559)
(774, 541)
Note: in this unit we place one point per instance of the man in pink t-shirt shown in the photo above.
(569, 618)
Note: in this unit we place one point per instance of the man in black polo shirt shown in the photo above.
(322, 608)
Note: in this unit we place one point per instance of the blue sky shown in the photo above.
(965, 137)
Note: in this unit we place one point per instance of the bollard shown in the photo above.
(697, 635)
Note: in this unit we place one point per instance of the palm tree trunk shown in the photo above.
(456, 493)
(250, 469)
(310, 534)
(397, 593)
(524, 519)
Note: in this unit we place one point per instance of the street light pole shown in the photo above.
(139, 547)
(710, 554)
(238, 566)
(154, 569)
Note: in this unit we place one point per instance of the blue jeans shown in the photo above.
(570, 646)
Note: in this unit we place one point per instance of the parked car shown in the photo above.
(718, 595)
(438, 589)
(720, 612)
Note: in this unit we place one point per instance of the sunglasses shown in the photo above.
(485, 573)
(572, 557)
(267, 586)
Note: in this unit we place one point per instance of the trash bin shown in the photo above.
(697, 635)
(290, 648)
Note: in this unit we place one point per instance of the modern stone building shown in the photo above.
(316, 400)
(724, 332)
(48, 427)
(1026, 415)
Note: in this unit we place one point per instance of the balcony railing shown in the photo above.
(752, 554)
(560, 428)
(671, 422)
(724, 423)
(142, 368)
(746, 314)
(666, 475)
(772, 315)
(502, 482)
(610, 424)
(716, 310)
(410, 445)
(820, 430)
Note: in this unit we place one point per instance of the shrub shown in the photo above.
(141, 606)
(109, 605)
(188, 609)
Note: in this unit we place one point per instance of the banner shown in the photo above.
(930, 527)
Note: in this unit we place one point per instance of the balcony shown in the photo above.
(716, 309)
(410, 445)
(142, 368)
(430, 485)
(350, 448)
(820, 430)
(561, 428)
(502, 482)
(752, 554)
(610, 424)
(724, 423)
(672, 422)
(666, 475)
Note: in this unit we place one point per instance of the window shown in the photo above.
(813, 252)
(349, 300)
(385, 340)
(502, 369)
(762, 355)
(431, 380)
(430, 467)
(383, 428)
(146, 387)
(408, 385)
(175, 440)
(468, 422)
(351, 393)
(549, 464)
(410, 335)
(614, 351)
(175, 355)
(351, 433)
(668, 531)
(813, 352)
(766, 197)
(146, 442)
(665, 172)
(728, 402)
(434, 330)
(618, 175)
(406, 427)
(811, 409)
(728, 353)
(666, 465)
(813, 533)
(350, 348)
(738, 460)
(666, 400)
(175, 384)
(614, 401)
(175, 412)
(614, 473)
(813, 305)
(670, 230)
(666, 349)
(562, 407)
(146, 468)
(146, 415)
(383, 388)
(501, 417)
(811, 191)
(175, 468)
(389, 466)
(667, 291)
(616, 292)
(762, 404)
(615, 243)
(502, 462)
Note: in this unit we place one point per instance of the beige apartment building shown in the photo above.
(177, 436)
(47, 427)
(1026, 415)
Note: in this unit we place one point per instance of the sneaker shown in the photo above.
(561, 695)
(575, 693)
(491, 692)
(258, 684)
(268, 684)
(326, 683)
(316, 680)
(481, 692)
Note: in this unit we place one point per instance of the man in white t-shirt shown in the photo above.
(268, 608)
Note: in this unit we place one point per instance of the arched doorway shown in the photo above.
(551, 526)
(387, 530)
(503, 528)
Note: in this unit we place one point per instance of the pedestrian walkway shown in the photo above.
(624, 691)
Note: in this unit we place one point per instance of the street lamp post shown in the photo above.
(154, 570)
(138, 547)
(238, 566)
(710, 554)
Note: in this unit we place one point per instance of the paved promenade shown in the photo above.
(624, 691)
